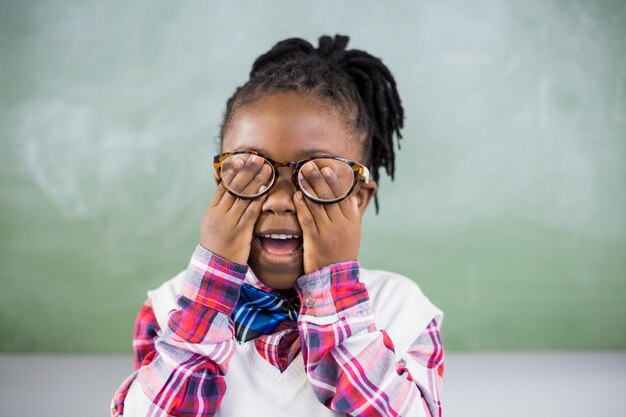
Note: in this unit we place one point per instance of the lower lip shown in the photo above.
(273, 258)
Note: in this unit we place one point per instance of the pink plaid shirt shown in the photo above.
(181, 369)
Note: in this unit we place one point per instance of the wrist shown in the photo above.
(240, 257)
(207, 255)
(213, 281)
(313, 266)
(332, 290)
(335, 273)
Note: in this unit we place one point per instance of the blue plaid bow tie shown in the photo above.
(258, 312)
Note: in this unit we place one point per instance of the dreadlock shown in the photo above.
(356, 83)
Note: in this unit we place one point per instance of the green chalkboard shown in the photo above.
(509, 206)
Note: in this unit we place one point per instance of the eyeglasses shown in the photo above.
(249, 174)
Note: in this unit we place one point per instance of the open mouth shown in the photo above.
(279, 243)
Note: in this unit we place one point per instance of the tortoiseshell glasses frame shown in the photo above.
(360, 173)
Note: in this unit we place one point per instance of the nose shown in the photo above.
(280, 197)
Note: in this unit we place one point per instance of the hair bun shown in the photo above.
(332, 48)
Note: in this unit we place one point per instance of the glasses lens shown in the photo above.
(326, 179)
(245, 174)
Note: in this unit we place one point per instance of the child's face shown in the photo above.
(289, 126)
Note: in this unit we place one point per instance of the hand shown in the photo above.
(331, 232)
(228, 222)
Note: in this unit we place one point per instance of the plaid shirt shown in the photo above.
(351, 366)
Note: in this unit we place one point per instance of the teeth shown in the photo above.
(280, 236)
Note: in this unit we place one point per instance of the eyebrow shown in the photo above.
(301, 154)
(306, 153)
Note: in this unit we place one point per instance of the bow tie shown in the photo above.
(258, 312)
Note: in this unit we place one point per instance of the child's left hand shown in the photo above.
(331, 232)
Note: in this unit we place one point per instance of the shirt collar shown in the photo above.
(251, 279)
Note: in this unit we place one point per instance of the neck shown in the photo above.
(288, 293)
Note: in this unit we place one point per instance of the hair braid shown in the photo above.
(385, 107)
(288, 49)
(356, 83)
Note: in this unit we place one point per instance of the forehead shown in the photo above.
(290, 126)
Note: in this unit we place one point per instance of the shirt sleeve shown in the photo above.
(146, 331)
(183, 373)
(353, 367)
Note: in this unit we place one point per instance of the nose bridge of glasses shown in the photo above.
(282, 165)
(277, 165)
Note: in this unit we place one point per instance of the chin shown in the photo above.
(277, 277)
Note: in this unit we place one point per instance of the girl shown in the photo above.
(274, 316)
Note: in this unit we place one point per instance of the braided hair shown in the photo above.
(354, 82)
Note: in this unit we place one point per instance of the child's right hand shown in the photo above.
(228, 222)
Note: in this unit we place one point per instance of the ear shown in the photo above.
(364, 193)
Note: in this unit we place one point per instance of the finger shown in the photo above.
(257, 185)
(352, 208)
(251, 213)
(337, 188)
(240, 205)
(228, 171)
(346, 208)
(260, 180)
(319, 211)
(319, 187)
(227, 201)
(215, 210)
(245, 173)
(304, 183)
(248, 180)
(223, 200)
(332, 181)
(217, 196)
(304, 215)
